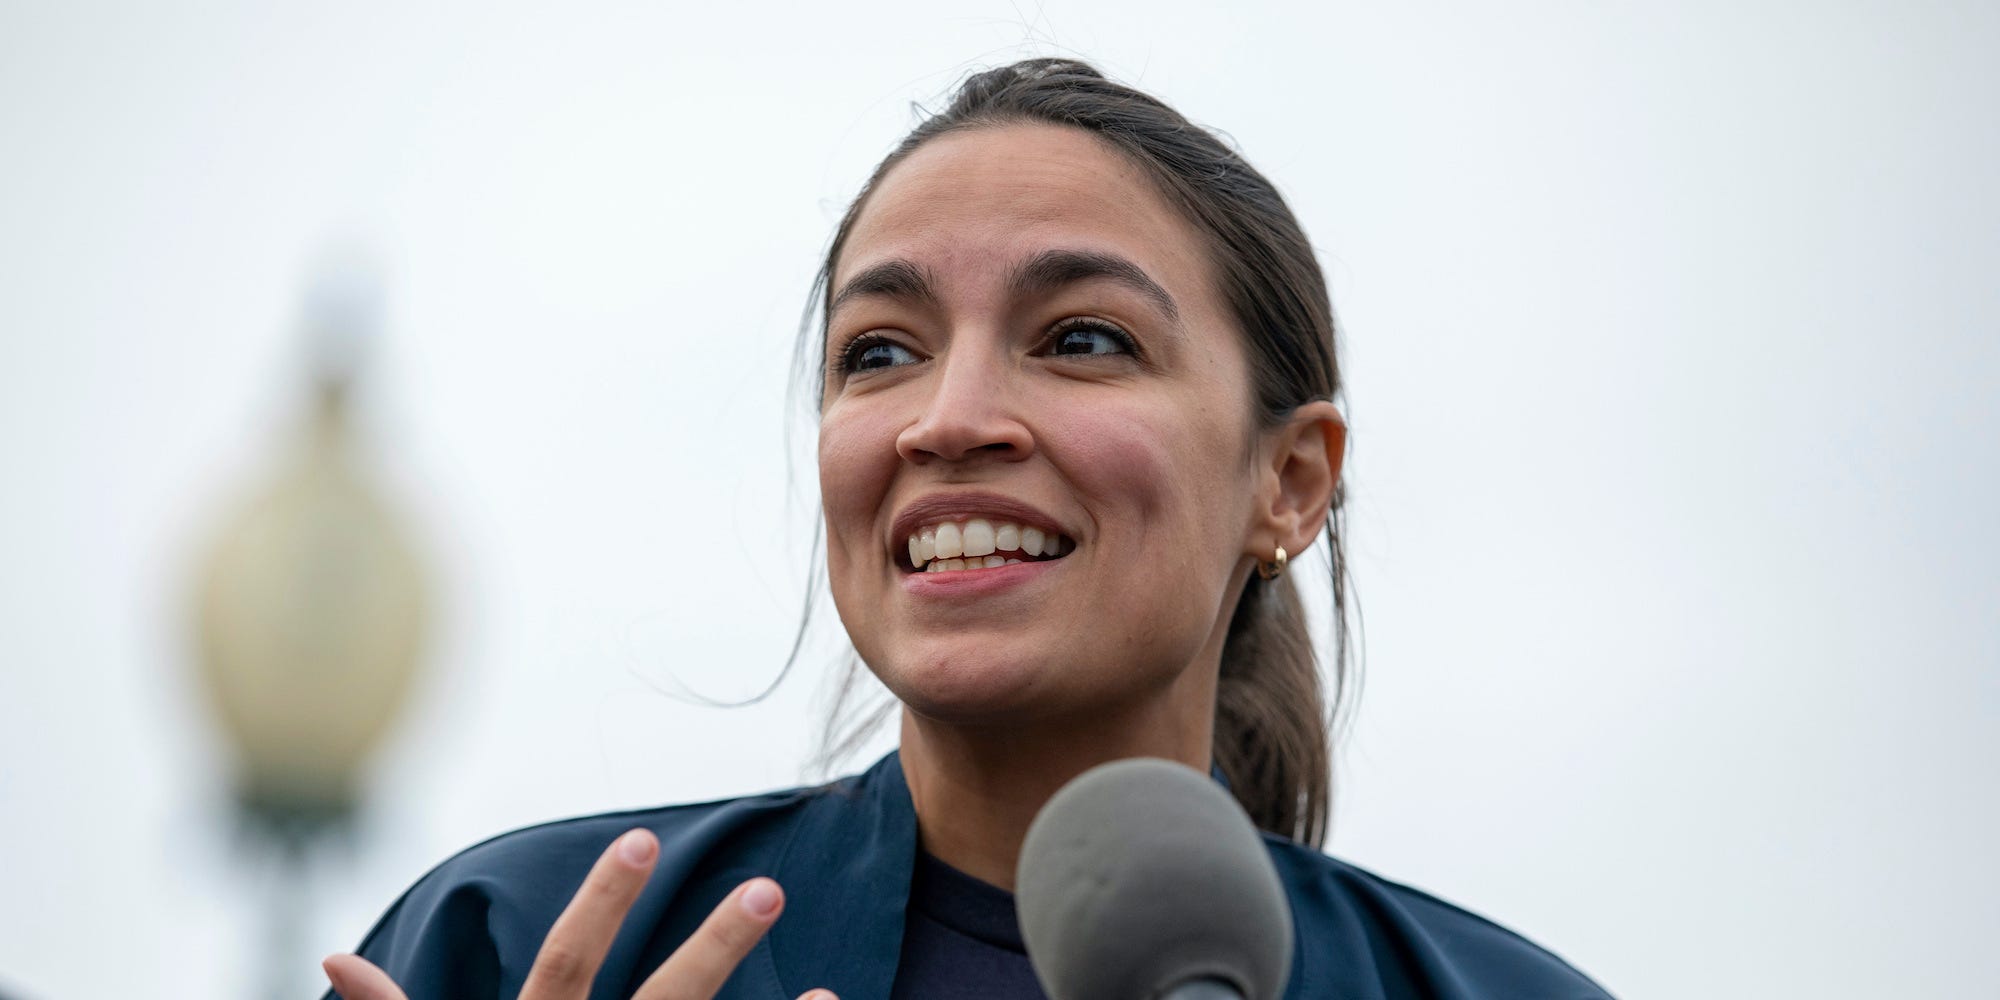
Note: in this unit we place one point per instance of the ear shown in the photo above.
(1299, 469)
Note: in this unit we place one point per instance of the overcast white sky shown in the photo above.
(1671, 344)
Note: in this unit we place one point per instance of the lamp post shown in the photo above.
(310, 625)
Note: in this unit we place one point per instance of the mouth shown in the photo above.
(979, 544)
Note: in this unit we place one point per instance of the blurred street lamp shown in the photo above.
(311, 621)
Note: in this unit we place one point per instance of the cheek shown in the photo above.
(857, 459)
(1166, 479)
(1116, 456)
(1169, 493)
(1164, 483)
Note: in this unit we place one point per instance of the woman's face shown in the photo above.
(1027, 359)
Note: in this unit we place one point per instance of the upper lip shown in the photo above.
(938, 508)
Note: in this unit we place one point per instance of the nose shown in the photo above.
(971, 413)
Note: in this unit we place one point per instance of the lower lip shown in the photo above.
(966, 583)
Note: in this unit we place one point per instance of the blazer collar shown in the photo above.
(846, 872)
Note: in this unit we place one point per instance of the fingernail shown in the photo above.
(762, 898)
(635, 847)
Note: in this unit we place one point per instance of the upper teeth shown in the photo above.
(972, 543)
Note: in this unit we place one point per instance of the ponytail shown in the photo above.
(1273, 723)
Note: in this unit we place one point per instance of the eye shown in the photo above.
(1086, 336)
(870, 352)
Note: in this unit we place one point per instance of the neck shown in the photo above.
(977, 788)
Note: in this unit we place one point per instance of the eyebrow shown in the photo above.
(894, 279)
(1044, 273)
(1052, 269)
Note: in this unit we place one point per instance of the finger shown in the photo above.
(704, 961)
(818, 995)
(576, 945)
(356, 978)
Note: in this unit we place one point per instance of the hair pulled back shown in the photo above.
(1272, 723)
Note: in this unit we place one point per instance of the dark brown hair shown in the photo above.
(1272, 724)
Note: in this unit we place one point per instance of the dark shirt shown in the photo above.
(845, 854)
(961, 941)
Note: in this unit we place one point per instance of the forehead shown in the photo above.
(968, 200)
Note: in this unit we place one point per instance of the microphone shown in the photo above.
(1143, 880)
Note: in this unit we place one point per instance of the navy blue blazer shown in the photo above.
(844, 853)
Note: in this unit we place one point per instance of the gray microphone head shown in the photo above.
(1141, 875)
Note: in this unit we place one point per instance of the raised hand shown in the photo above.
(576, 945)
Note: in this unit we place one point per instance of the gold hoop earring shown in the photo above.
(1275, 568)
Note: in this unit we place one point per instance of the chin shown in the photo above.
(951, 687)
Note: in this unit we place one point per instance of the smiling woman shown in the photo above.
(1024, 332)
(1078, 408)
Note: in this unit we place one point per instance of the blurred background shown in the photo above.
(1671, 338)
